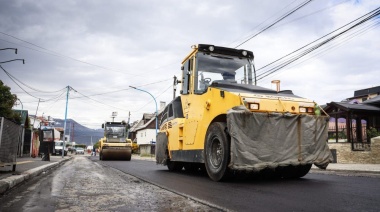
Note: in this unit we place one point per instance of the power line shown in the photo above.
(247, 36)
(56, 54)
(278, 20)
(10, 76)
(125, 89)
(336, 45)
(62, 55)
(264, 74)
(99, 101)
(14, 79)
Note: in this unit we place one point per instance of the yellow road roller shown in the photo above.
(224, 123)
(114, 145)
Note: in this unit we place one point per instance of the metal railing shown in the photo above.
(359, 139)
(9, 141)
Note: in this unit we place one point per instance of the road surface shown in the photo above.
(87, 184)
(314, 192)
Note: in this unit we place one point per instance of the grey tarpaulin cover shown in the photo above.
(161, 147)
(261, 140)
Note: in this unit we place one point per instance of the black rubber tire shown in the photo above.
(174, 166)
(101, 156)
(193, 167)
(217, 151)
(129, 157)
(293, 172)
(303, 170)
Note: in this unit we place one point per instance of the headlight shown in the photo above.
(244, 53)
(254, 106)
(211, 48)
(306, 110)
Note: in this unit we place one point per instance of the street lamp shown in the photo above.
(10, 49)
(154, 102)
(22, 110)
(23, 61)
(22, 125)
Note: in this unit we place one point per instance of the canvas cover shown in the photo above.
(161, 147)
(269, 140)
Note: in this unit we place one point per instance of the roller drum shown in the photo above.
(116, 154)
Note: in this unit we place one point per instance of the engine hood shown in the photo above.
(251, 89)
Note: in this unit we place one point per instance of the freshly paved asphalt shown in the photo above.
(325, 191)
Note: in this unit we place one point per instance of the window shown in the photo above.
(186, 71)
(220, 69)
(170, 111)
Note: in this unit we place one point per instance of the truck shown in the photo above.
(224, 123)
(58, 146)
(114, 145)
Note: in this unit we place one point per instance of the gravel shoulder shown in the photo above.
(89, 186)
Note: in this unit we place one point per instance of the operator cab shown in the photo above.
(212, 65)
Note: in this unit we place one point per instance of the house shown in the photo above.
(353, 123)
(365, 94)
(144, 131)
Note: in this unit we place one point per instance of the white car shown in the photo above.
(79, 151)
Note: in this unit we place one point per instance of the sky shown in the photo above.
(99, 48)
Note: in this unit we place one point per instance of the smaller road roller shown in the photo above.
(114, 145)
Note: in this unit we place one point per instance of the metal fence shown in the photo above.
(9, 140)
(359, 140)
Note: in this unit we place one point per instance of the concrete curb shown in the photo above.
(10, 182)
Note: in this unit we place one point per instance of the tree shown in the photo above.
(7, 100)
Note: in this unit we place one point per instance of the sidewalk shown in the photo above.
(370, 168)
(26, 168)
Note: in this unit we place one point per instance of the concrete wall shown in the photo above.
(346, 155)
(146, 149)
(146, 136)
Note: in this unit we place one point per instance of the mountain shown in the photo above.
(79, 133)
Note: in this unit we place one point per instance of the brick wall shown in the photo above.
(344, 153)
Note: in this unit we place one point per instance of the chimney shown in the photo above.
(162, 105)
(277, 82)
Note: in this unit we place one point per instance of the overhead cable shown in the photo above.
(278, 20)
(295, 55)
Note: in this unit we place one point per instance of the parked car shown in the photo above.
(79, 151)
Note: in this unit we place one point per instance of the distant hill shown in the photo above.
(80, 134)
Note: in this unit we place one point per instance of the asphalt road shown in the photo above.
(314, 192)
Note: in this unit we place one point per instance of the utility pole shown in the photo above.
(35, 116)
(73, 133)
(64, 125)
(114, 114)
(129, 118)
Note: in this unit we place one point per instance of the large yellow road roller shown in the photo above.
(225, 123)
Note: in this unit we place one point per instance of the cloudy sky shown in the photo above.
(100, 48)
